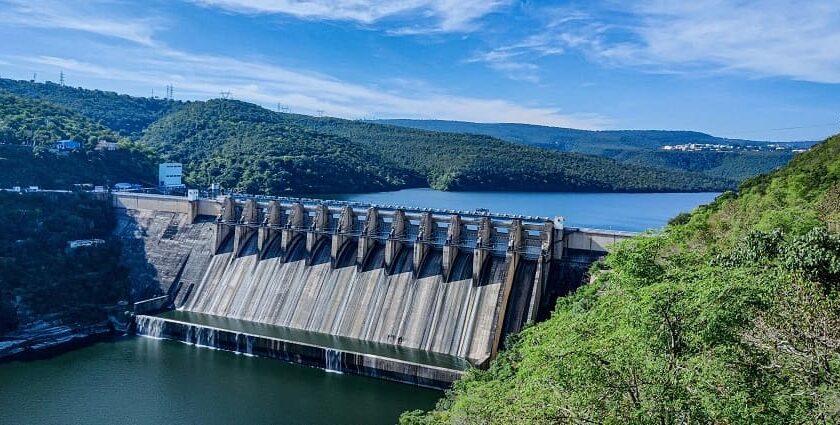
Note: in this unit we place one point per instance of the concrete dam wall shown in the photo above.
(441, 282)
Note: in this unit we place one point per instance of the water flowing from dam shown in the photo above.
(301, 290)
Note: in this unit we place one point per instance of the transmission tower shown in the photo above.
(225, 94)
(34, 77)
(61, 78)
(170, 92)
(320, 113)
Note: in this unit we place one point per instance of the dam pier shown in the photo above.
(408, 294)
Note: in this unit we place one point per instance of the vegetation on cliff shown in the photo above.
(28, 130)
(730, 315)
(40, 276)
(246, 147)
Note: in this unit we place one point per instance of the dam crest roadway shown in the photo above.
(390, 280)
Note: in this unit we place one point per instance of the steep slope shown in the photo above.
(28, 128)
(731, 315)
(243, 146)
(126, 115)
(640, 147)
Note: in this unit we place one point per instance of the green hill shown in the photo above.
(730, 315)
(125, 115)
(246, 146)
(640, 147)
(28, 129)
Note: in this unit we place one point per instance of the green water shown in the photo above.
(143, 380)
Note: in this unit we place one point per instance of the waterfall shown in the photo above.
(332, 360)
(150, 326)
(201, 336)
(247, 346)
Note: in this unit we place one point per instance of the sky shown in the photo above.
(751, 69)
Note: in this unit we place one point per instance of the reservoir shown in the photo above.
(145, 380)
(633, 212)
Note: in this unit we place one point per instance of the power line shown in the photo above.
(786, 128)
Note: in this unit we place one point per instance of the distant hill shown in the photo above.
(28, 129)
(244, 143)
(126, 115)
(635, 146)
(250, 148)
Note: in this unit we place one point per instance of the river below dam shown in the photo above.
(149, 381)
(144, 380)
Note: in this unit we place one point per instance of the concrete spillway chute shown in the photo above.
(396, 239)
(424, 242)
(368, 237)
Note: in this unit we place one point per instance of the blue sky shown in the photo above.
(749, 69)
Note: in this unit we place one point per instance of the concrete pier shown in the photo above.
(440, 281)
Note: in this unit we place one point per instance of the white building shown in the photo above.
(169, 174)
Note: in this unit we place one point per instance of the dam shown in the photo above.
(408, 294)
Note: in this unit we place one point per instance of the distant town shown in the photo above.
(711, 147)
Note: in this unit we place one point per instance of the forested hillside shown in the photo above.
(28, 129)
(730, 315)
(246, 145)
(125, 115)
(640, 147)
(40, 278)
(243, 146)
(458, 161)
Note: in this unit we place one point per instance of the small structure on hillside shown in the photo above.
(123, 187)
(64, 147)
(104, 145)
(79, 243)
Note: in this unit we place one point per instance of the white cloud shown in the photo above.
(775, 38)
(205, 76)
(147, 62)
(447, 15)
(84, 17)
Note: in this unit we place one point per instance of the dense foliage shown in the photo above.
(250, 148)
(459, 161)
(28, 130)
(39, 124)
(126, 115)
(731, 315)
(737, 166)
(40, 276)
(633, 146)
(241, 146)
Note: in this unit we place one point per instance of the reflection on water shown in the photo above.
(143, 380)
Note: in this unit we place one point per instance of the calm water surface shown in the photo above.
(143, 380)
(618, 211)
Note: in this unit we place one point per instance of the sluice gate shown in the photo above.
(437, 281)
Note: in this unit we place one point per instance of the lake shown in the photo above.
(616, 211)
(143, 380)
